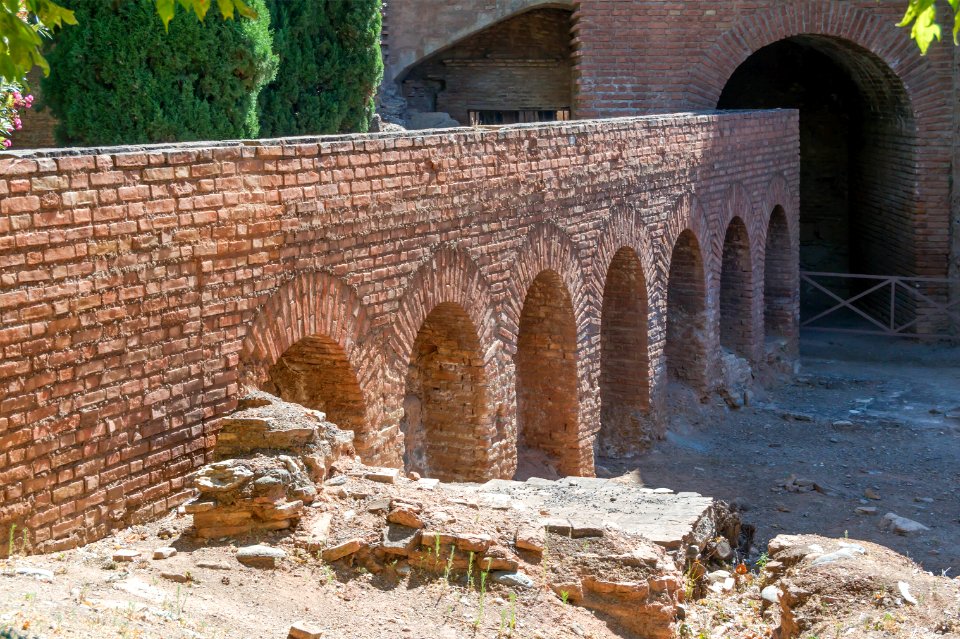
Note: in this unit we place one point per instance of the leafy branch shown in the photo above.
(24, 23)
(922, 15)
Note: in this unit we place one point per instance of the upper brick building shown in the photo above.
(879, 126)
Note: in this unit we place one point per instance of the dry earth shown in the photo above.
(895, 440)
(866, 420)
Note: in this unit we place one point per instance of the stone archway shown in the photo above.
(857, 148)
(624, 355)
(686, 345)
(316, 373)
(518, 69)
(548, 409)
(779, 279)
(311, 343)
(736, 291)
(445, 402)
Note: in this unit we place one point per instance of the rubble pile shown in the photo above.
(270, 454)
(610, 547)
(867, 589)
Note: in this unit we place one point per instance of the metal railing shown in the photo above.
(894, 306)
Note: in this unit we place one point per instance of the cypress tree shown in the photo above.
(330, 67)
(118, 77)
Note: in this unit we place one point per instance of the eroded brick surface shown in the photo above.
(142, 290)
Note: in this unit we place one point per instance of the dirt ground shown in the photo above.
(865, 416)
(867, 422)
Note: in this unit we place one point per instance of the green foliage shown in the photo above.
(24, 22)
(120, 78)
(922, 15)
(10, 633)
(166, 9)
(330, 67)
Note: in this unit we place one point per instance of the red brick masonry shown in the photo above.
(449, 286)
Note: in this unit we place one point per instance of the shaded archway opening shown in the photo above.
(857, 149)
(736, 291)
(624, 357)
(518, 70)
(547, 388)
(444, 406)
(778, 279)
(685, 348)
(316, 373)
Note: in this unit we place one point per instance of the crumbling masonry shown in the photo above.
(456, 299)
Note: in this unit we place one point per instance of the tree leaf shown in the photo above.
(166, 9)
(926, 29)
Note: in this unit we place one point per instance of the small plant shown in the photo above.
(11, 542)
(513, 611)
(10, 633)
(436, 547)
(470, 571)
(690, 580)
(326, 573)
(483, 596)
(564, 596)
(449, 567)
(762, 561)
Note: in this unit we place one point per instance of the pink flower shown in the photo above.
(7, 143)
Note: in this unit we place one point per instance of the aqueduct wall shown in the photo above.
(447, 296)
(637, 57)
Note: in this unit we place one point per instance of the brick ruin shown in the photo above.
(878, 127)
(459, 300)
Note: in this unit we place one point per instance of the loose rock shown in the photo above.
(901, 525)
(164, 553)
(40, 573)
(383, 475)
(126, 554)
(301, 630)
(260, 556)
(512, 579)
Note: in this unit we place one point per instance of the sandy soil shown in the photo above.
(92, 596)
(865, 417)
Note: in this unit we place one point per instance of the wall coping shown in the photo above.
(417, 136)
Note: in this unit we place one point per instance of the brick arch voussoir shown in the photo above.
(547, 247)
(450, 275)
(317, 303)
(779, 193)
(687, 214)
(830, 18)
(737, 204)
(314, 303)
(624, 229)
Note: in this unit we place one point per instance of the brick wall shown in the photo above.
(648, 56)
(892, 209)
(522, 63)
(399, 281)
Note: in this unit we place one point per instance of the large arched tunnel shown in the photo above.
(857, 147)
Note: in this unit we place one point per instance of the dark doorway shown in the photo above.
(858, 178)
